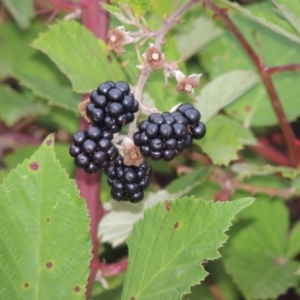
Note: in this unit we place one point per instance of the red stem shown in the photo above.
(280, 69)
(66, 5)
(109, 270)
(266, 150)
(265, 75)
(96, 19)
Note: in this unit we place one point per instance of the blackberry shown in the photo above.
(92, 149)
(112, 106)
(128, 182)
(164, 135)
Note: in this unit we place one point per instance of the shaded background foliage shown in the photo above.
(47, 62)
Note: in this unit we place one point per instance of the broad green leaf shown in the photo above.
(224, 90)
(15, 105)
(112, 9)
(292, 6)
(12, 159)
(256, 255)
(139, 7)
(58, 95)
(171, 241)
(79, 55)
(221, 141)
(294, 242)
(60, 118)
(262, 21)
(245, 134)
(248, 169)
(22, 11)
(225, 54)
(117, 12)
(29, 61)
(295, 22)
(32, 68)
(44, 231)
(117, 224)
(220, 278)
(191, 39)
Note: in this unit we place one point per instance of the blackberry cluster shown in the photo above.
(164, 135)
(92, 149)
(112, 106)
(128, 182)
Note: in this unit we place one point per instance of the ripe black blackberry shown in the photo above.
(128, 182)
(164, 135)
(92, 149)
(112, 106)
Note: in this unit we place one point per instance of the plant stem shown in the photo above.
(159, 40)
(96, 19)
(265, 75)
(280, 69)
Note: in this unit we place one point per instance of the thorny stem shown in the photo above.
(280, 69)
(96, 19)
(233, 184)
(159, 40)
(265, 75)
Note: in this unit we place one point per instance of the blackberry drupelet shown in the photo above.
(112, 106)
(128, 182)
(164, 135)
(92, 149)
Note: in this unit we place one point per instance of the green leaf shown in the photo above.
(44, 231)
(112, 9)
(221, 141)
(139, 7)
(294, 21)
(292, 6)
(58, 95)
(256, 255)
(225, 54)
(79, 55)
(262, 21)
(224, 90)
(220, 278)
(117, 12)
(117, 224)
(22, 11)
(29, 61)
(12, 159)
(191, 39)
(294, 242)
(32, 68)
(245, 135)
(171, 242)
(14, 105)
(248, 169)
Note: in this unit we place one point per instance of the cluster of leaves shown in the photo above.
(43, 221)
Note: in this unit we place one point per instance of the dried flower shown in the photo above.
(117, 38)
(82, 108)
(131, 153)
(186, 84)
(154, 59)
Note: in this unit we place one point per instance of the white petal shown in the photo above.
(127, 141)
(195, 77)
(178, 75)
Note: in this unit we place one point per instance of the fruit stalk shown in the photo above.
(159, 40)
